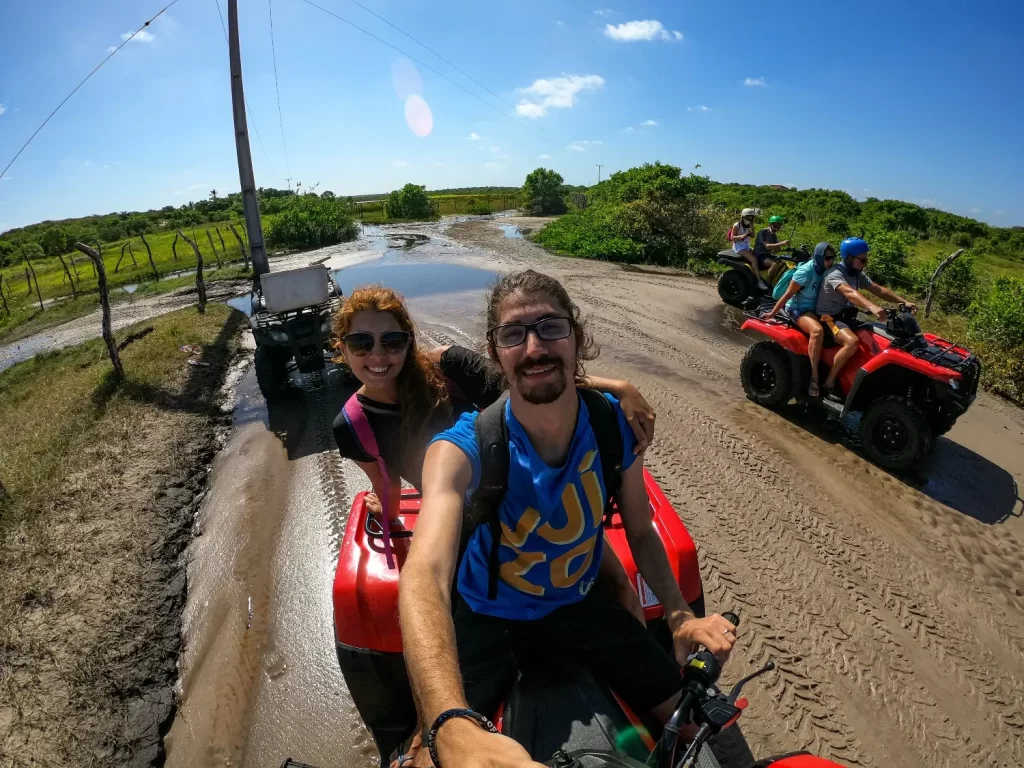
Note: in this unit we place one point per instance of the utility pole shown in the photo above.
(599, 173)
(250, 205)
(289, 184)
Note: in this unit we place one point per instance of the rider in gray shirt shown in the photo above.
(839, 299)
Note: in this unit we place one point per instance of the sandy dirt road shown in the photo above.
(894, 607)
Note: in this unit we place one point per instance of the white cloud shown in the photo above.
(492, 165)
(635, 31)
(142, 37)
(631, 129)
(975, 210)
(2, 109)
(494, 148)
(544, 157)
(649, 124)
(576, 147)
(200, 185)
(559, 23)
(698, 108)
(999, 213)
(753, 82)
(557, 92)
(400, 164)
(504, 157)
(604, 12)
(111, 48)
(474, 136)
(580, 146)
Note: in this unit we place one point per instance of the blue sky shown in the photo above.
(905, 99)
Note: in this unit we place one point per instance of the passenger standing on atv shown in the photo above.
(739, 236)
(409, 395)
(527, 590)
(838, 302)
(800, 300)
(767, 242)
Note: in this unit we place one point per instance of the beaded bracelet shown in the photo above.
(447, 715)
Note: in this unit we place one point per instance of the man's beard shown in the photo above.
(545, 392)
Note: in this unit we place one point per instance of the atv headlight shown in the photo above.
(279, 336)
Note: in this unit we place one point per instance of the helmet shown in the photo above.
(776, 220)
(851, 248)
(749, 213)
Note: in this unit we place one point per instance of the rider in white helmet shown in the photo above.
(740, 235)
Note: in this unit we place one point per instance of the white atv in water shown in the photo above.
(291, 322)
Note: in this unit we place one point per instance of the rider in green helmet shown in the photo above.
(767, 242)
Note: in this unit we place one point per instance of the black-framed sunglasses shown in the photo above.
(362, 343)
(514, 334)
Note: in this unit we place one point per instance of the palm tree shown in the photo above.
(213, 194)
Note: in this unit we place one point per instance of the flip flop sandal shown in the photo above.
(402, 760)
(814, 390)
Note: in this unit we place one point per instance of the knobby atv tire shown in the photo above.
(895, 433)
(271, 371)
(765, 375)
(733, 288)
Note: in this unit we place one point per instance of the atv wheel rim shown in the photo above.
(892, 435)
(763, 379)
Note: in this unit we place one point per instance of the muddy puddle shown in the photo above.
(511, 231)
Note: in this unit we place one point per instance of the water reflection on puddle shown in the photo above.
(511, 231)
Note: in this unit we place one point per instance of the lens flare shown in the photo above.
(405, 79)
(418, 116)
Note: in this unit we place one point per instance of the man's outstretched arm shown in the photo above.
(424, 597)
(428, 633)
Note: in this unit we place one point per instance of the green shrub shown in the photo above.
(649, 214)
(957, 286)
(542, 193)
(409, 202)
(998, 316)
(890, 254)
(310, 222)
(478, 208)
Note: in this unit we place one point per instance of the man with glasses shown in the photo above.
(839, 299)
(524, 581)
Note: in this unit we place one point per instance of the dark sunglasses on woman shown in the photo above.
(514, 334)
(361, 343)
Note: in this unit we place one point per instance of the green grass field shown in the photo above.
(26, 317)
(372, 212)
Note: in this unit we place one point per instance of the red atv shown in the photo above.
(902, 389)
(369, 641)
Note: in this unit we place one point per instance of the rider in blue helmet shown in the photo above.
(840, 298)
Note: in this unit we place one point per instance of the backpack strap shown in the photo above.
(355, 416)
(604, 421)
(492, 443)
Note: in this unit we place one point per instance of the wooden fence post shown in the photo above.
(74, 291)
(238, 237)
(108, 332)
(200, 283)
(935, 279)
(223, 247)
(213, 248)
(35, 279)
(149, 252)
(7, 310)
(174, 246)
(28, 282)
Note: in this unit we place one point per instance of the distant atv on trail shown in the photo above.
(737, 286)
(903, 388)
(291, 322)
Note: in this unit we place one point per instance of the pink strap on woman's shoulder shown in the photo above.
(356, 418)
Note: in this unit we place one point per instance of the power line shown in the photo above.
(248, 111)
(442, 58)
(422, 64)
(97, 69)
(280, 114)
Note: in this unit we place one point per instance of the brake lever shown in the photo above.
(735, 692)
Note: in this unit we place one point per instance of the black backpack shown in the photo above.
(492, 442)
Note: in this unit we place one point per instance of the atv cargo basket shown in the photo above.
(295, 288)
